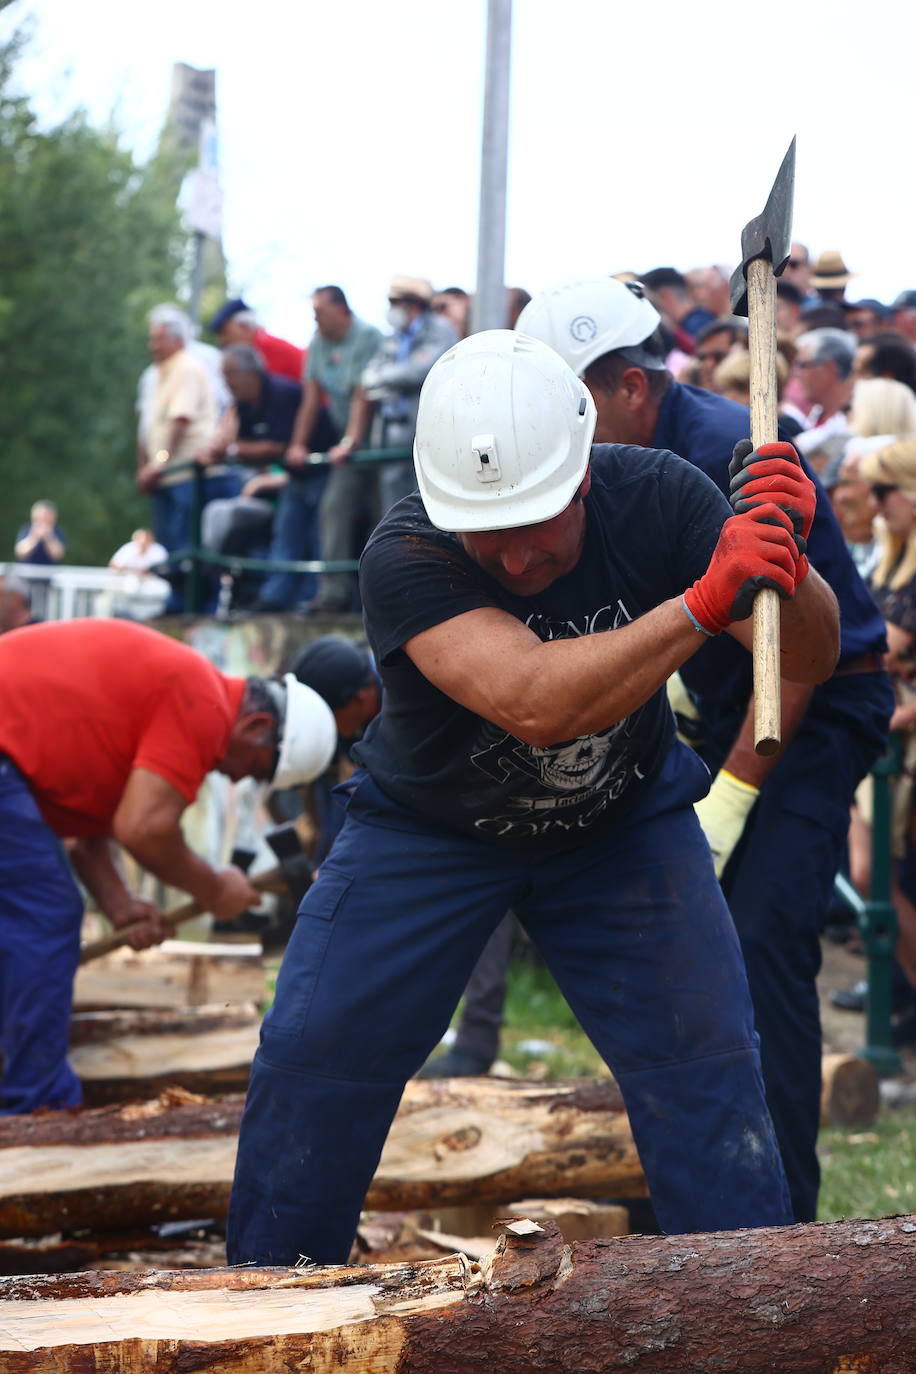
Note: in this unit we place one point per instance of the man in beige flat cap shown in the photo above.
(393, 378)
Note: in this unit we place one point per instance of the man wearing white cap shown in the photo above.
(525, 609)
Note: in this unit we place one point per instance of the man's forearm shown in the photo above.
(258, 451)
(306, 415)
(166, 855)
(177, 431)
(358, 417)
(809, 632)
(743, 762)
(94, 863)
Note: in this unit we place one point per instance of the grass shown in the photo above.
(869, 1173)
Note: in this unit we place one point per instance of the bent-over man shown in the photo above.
(107, 730)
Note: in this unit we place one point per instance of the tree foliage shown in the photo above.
(89, 241)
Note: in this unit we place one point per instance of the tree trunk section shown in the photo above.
(829, 1299)
(453, 1141)
(123, 1055)
(850, 1095)
(177, 973)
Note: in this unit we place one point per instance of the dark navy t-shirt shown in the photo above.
(275, 416)
(652, 522)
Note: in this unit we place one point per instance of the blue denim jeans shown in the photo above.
(295, 535)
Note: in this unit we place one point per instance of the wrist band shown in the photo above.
(694, 622)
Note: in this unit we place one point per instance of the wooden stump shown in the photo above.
(850, 1095)
(830, 1299)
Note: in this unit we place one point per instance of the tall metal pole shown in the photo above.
(489, 309)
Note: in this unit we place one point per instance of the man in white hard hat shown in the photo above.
(525, 609)
(777, 826)
(107, 729)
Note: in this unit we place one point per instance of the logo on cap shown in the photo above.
(583, 328)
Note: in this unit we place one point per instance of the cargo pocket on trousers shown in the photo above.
(305, 953)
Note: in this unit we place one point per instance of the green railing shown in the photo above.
(194, 559)
(877, 919)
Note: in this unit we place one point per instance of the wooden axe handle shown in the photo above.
(271, 881)
(761, 313)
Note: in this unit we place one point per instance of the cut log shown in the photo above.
(177, 973)
(120, 1056)
(452, 1141)
(850, 1095)
(802, 1300)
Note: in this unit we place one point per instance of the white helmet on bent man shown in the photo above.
(308, 735)
(583, 320)
(504, 431)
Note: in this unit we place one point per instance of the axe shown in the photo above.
(765, 249)
(292, 875)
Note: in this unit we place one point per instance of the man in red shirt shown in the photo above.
(107, 730)
(235, 323)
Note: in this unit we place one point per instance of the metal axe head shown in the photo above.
(769, 234)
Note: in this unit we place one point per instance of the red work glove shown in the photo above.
(756, 549)
(773, 472)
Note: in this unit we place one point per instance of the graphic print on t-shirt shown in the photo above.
(564, 786)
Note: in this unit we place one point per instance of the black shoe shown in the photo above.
(455, 1064)
(850, 999)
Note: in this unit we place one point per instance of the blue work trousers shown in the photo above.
(295, 535)
(632, 924)
(40, 914)
(778, 885)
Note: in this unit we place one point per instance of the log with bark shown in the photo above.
(452, 1141)
(177, 973)
(127, 1054)
(828, 1299)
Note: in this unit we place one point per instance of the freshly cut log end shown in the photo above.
(802, 1300)
(850, 1095)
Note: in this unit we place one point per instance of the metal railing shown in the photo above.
(877, 919)
(194, 559)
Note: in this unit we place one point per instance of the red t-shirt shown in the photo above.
(83, 702)
(280, 355)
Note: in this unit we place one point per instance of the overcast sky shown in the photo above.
(349, 131)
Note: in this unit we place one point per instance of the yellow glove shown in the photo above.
(686, 716)
(723, 813)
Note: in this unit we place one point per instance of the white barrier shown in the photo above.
(65, 592)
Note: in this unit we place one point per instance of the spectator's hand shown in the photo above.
(340, 453)
(904, 717)
(234, 894)
(154, 928)
(255, 485)
(755, 550)
(207, 455)
(148, 476)
(297, 455)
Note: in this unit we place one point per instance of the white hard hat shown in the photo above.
(504, 431)
(583, 320)
(308, 736)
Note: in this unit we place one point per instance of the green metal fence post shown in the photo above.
(194, 586)
(878, 921)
